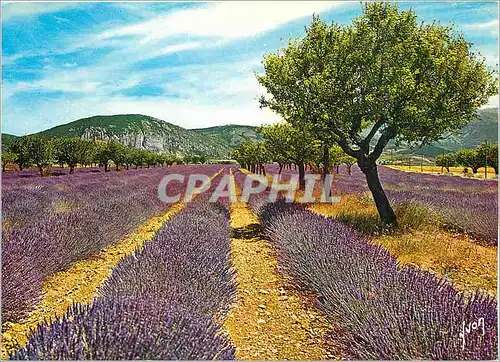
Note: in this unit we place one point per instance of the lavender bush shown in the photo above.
(186, 263)
(384, 310)
(165, 301)
(127, 329)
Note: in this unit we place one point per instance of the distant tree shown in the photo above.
(488, 152)
(298, 145)
(40, 151)
(116, 152)
(252, 155)
(447, 160)
(137, 157)
(277, 147)
(385, 76)
(72, 151)
(151, 159)
(469, 158)
(20, 149)
(128, 158)
(337, 156)
(349, 161)
(101, 154)
(7, 158)
(162, 159)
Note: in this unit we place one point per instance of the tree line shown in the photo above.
(289, 147)
(385, 76)
(44, 152)
(486, 154)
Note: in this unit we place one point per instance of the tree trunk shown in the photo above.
(20, 167)
(326, 161)
(281, 169)
(40, 169)
(3, 167)
(302, 173)
(474, 169)
(106, 167)
(349, 169)
(337, 169)
(71, 169)
(384, 208)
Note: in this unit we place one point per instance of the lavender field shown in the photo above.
(49, 223)
(170, 298)
(466, 204)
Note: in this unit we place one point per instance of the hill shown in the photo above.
(7, 138)
(233, 134)
(137, 130)
(485, 128)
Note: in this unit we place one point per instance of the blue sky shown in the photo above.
(190, 64)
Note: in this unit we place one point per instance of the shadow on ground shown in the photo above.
(248, 232)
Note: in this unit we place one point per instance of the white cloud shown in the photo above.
(225, 20)
(11, 10)
(489, 26)
(492, 102)
(196, 95)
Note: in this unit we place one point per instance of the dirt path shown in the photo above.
(269, 320)
(79, 283)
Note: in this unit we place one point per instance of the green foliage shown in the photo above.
(287, 144)
(252, 155)
(116, 153)
(8, 158)
(489, 153)
(72, 151)
(19, 147)
(447, 160)
(188, 159)
(40, 151)
(469, 158)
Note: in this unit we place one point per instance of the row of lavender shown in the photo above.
(467, 204)
(48, 224)
(165, 301)
(383, 310)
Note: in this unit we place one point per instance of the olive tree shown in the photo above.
(20, 149)
(470, 158)
(40, 151)
(488, 152)
(72, 151)
(447, 160)
(7, 158)
(294, 145)
(385, 76)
